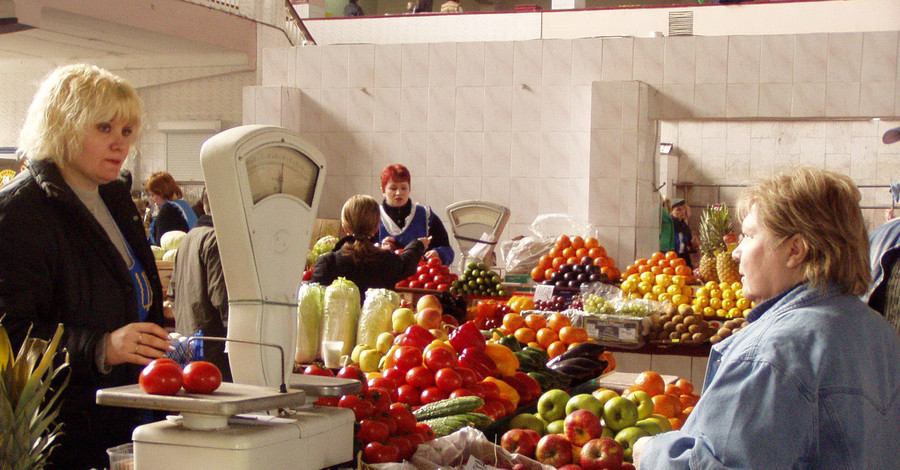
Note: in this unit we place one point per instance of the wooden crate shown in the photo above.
(324, 227)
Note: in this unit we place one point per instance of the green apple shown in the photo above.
(664, 422)
(643, 401)
(552, 404)
(619, 413)
(384, 341)
(557, 427)
(650, 425)
(584, 401)
(401, 319)
(357, 350)
(528, 421)
(627, 437)
(369, 359)
(603, 395)
(607, 432)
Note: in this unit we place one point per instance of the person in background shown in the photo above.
(421, 6)
(357, 258)
(884, 249)
(685, 244)
(353, 9)
(75, 253)
(812, 381)
(666, 226)
(197, 290)
(451, 6)
(403, 221)
(174, 212)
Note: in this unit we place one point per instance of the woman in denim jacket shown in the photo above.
(813, 381)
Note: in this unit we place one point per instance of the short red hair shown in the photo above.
(395, 172)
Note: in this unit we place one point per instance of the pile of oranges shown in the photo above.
(574, 250)
(662, 263)
(675, 401)
(554, 334)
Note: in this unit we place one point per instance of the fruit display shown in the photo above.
(722, 300)
(478, 279)
(662, 263)
(164, 376)
(681, 325)
(488, 313)
(717, 240)
(553, 334)
(727, 329)
(576, 275)
(430, 274)
(572, 251)
(558, 303)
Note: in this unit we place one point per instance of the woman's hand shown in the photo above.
(136, 343)
(389, 243)
(427, 241)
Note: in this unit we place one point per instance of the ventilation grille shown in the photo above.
(183, 156)
(681, 23)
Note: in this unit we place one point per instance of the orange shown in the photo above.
(534, 344)
(631, 269)
(650, 382)
(556, 348)
(670, 271)
(672, 389)
(677, 262)
(555, 252)
(537, 274)
(572, 260)
(594, 253)
(682, 270)
(643, 268)
(666, 405)
(545, 261)
(568, 252)
(591, 242)
(655, 257)
(663, 263)
(535, 321)
(640, 261)
(577, 242)
(603, 262)
(546, 337)
(549, 273)
(656, 270)
(563, 241)
(557, 262)
(513, 321)
(524, 335)
(557, 321)
(687, 411)
(671, 255)
(581, 252)
(688, 401)
(676, 423)
(602, 251)
(572, 334)
(686, 385)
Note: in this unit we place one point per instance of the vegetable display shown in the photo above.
(340, 314)
(310, 299)
(375, 317)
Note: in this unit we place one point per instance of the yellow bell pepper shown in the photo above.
(506, 361)
(388, 360)
(507, 392)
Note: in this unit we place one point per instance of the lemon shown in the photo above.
(728, 294)
(663, 280)
(673, 290)
(679, 280)
(680, 299)
(702, 301)
(644, 287)
(647, 277)
(657, 289)
(703, 291)
(712, 285)
(709, 312)
(686, 290)
(742, 303)
(736, 285)
(735, 313)
(715, 293)
(715, 303)
(728, 304)
(663, 297)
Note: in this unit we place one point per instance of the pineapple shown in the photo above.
(710, 242)
(27, 410)
(722, 230)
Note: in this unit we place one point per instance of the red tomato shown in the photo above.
(362, 409)
(404, 445)
(421, 269)
(379, 397)
(307, 275)
(439, 358)
(328, 401)
(425, 431)
(376, 452)
(404, 418)
(407, 357)
(424, 278)
(161, 377)
(409, 395)
(415, 284)
(390, 423)
(461, 392)
(395, 374)
(202, 377)
(429, 286)
(432, 394)
(433, 262)
(415, 438)
(447, 379)
(316, 370)
(469, 376)
(443, 287)
(491, 390)
(387, 386)
(371, 430)
(420, 377)
(403, 283)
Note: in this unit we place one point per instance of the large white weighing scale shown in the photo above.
(264, 184)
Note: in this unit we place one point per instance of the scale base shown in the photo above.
(309, 440)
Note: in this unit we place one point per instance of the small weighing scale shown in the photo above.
(473, 222)
(264, 185)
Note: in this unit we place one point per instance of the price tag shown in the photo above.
(543, 292)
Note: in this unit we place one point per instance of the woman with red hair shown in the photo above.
(403, 221)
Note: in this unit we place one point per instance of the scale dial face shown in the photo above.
(277, 170)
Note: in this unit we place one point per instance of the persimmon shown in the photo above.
(558, 320)
(666, 405)
(534, 344)
(676, 423)
(546, 337)
(581, 252)
(650, 382)
(556, 348)
(673, 389)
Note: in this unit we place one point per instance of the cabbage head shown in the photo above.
(376, 315)
(169, 255)
(158, 252)
(341, 313)
(309, 321)
(171, 240)
(322, 246)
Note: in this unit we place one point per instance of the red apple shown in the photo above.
(602, 454)
(582, 426)
(429, 301)
(570, 466)
(428, 318)
(520, 441)
(628, 466)
(554, 449)
(449, 319)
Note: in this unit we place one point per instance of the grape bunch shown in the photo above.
(556, 303)
(596, 304)
(574, 275)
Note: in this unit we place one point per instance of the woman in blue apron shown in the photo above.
(174, 212)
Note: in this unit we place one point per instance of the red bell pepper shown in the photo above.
(467, 336)
(479, 362)
(417, 336)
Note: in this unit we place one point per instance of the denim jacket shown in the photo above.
(884, 247)
(812, 382)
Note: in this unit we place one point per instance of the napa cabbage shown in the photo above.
(310, 299)
(375, 317)
(340, 314)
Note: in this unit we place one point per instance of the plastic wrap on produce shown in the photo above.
(522, 254)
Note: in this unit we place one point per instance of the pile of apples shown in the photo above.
(431, 274)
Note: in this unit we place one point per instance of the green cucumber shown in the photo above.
(448, 407)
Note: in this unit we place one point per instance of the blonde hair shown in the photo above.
(360, 217)
(164, 184)
(70, 99)
(823, 208)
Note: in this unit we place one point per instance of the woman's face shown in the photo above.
(763, 261)
(396, 193)
(680, 212)
(157, 199)
(103, 152)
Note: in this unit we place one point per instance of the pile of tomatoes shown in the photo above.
(430, 274)
(385, 431)
(164, 376)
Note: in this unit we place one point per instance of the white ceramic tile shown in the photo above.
(496, 190)
(468, 154)
(525, 156)
(839, 162)
(631, 104)
(497, 108)
(527, 60)
(879, 56)
(470, 64)
(649, 59)
(632, 362)
(556, 108)
(388, 64)
(414, 65)
(360, 111)
(469, 109)
(358, 148)
(786, 142)
(580, 160)
(677, 101)
(334, 147)
(524, 200)
(556, 68)
(807, 99)
(737, 138)
(439, 193)
(862, 159)
(742, 100)
(309, 67)
(810, 57)
(581, 108)
(552, 199)
(414, 109)
(618, 57)
(743, 59)
(291, 102)
(386, 113)
(714, 130)
(497, 155)
(876, 99)
(526, 109)
(277, 66)
(604, 201)
(498, 63)
(606, 105)
(775, 100)
(555, 154)
(709, 100)
(606, 154)
(762, 154)
(442, 64)
(310, 112)
(578, 201)
(838, 135)
(386, 148)
(680, 61)
(361, 66)
(628, 202)
(844, 57)
(332, 195)
(440, 158)
(413, 153)
(842, 99)
(441, 109)
(776, 59)
(587, 54)
(336, 67)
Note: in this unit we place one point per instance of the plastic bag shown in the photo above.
(341, 313)
(521, 254)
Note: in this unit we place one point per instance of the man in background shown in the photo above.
(353, 9)
(198, 291)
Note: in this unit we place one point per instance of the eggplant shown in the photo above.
(583, 350)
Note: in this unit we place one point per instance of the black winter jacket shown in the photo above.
(384, 272)
(57, 265)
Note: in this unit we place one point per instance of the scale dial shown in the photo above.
(277, 170)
